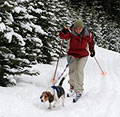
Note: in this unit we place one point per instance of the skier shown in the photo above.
(80, 42)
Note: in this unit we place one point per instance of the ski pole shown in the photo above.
(103, 73)
(53, 79)
(63, 71)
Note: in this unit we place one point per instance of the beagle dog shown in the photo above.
(53, 94)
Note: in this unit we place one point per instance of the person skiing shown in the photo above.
(80, 42)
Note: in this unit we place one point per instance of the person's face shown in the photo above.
(78, 30)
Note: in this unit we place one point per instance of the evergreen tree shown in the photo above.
(29, 35)
(17, 42)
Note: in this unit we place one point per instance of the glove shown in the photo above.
(92, 53)
(65, 30)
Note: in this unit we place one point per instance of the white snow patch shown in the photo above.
(6, 3)
(19, 9)
(20, 1)
(37, 40)
(27, 16)
(26, 26)
(0, 19)
(40, 3)
(2, 27)
(19, 37)
(38, 29)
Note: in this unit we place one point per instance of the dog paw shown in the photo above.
(49, 107)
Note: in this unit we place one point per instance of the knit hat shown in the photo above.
(78, 23)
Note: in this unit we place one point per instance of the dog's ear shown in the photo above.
(51, 97)
(41, 96)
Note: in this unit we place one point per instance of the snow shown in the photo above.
(40, 3)
(27, 16)
(36, 10)
(38, 29)
(7, 56)
(19, 9)
(2, 27)
(19, 37)
(101, 97)
(37, 40)
(50, 13)
(7, 4)
(43, 17)
(26, 26)
(21, 1)
(10, 17)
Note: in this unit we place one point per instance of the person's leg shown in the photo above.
(72, 70)
(78, 87)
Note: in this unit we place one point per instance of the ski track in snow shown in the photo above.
(101, 97)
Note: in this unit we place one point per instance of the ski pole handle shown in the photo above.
(68, 29)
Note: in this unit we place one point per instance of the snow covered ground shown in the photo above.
(101, 96)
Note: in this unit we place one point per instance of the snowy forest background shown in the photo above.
(29, 30)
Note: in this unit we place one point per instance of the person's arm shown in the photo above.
(64, 34)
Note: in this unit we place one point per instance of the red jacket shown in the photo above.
(78, 43)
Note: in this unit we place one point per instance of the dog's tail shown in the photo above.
(61, 82)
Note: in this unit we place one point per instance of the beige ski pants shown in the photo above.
(76, 72)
